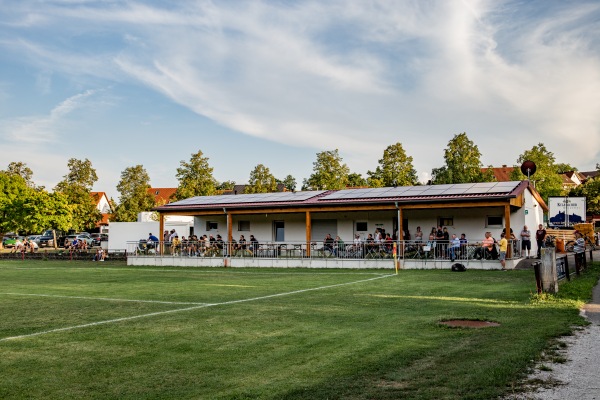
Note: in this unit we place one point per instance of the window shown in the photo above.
(361, 227)
(493, 221)
(243, 225)
(446, 221)
(212, 225)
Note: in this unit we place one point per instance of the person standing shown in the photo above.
(503, 245)
(540, 236)
(525, 242)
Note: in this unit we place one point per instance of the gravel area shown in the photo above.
(579, 377)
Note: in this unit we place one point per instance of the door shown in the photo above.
(279, 231)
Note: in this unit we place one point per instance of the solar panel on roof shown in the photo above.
(249, 198)
(455, 191)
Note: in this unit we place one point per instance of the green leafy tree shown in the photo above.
(329, 172)
(591, 190)
(195, 178)
(546, 180)
(561, 168)
(77, 186)
(21, 169)
(374, 182)
(26, 209)
(395, 168)
(290, 183)
(133, 187)
(261, 181)
(463, 164)
(13, 194)
(226, 185)
(45, 210)
(356, 180)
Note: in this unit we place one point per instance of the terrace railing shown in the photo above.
(403, 249)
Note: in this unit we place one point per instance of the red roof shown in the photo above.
(502, 174)
(162, 195)
(97, 196)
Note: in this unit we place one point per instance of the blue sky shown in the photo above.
(274, 82)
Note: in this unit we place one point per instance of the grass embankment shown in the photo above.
(105, 330)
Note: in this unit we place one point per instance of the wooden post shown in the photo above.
(161, 230)
(229, 233)
(308, 235)
(507, 235)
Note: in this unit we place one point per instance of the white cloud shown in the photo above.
(357, 76)
(44, 128)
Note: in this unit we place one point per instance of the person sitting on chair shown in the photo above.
(328, 244)
(454, 248)
(485, 251)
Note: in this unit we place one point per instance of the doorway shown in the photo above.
(279, 231)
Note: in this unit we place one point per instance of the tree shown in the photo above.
(463, 163)
(195, 178)
(226, 185)
(77, 186)
(133, 187)
(356, 180)
(591, 190)
(329, 172)
(27, 209)
(21, 169)
(395, 168)
(261, 181)
(561, 168)
(290, 183)
(546, 180)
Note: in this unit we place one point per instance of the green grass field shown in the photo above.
(83, 330)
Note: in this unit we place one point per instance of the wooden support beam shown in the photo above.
(161, 228)
(507, 229)
(308, 233)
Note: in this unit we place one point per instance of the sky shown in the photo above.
(126, 82)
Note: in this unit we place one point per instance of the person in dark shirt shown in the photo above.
(540, 236)
(328, 243)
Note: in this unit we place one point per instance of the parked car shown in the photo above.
(8, 241)
(98, 238)
(34, 238)
(47, 238)
(82, 236)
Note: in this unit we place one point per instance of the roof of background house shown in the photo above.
(502, 174)
(484, 191)
(589, 174)
(97, 196)
(162, 195)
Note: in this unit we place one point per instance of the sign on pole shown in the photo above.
(566, 211)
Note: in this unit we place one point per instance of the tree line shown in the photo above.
(26, 207)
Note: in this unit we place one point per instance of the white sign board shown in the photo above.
(566, 211)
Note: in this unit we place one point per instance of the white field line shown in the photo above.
(217, 270)
(68, 328)
(102, 298)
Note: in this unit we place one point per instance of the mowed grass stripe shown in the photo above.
(99, 298)
(203, 305)
(376, 340)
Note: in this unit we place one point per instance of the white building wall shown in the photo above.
(123, 232)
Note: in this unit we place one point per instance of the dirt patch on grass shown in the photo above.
(468, 323)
